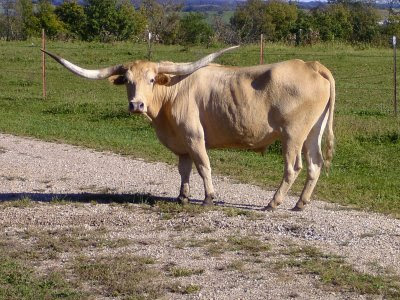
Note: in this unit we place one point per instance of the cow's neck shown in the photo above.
(163, 97)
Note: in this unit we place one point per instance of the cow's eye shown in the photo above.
(152, 80)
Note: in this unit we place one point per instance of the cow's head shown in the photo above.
(140, 76)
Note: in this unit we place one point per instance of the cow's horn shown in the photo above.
(187, 68)
(90, 74)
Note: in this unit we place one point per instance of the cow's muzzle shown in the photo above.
(137, 107)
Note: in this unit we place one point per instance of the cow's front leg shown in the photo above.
(202, 162)
(185, 168)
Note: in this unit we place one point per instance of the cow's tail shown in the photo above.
(330, 137)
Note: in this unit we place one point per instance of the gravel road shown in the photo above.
(370, 242)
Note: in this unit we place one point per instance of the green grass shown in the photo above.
(365, 172)
(179, 288)
(123, 276)
(184, 272)
(19, 281)
(133, 277)
(246, 245)
(335, 273)
(22, 202)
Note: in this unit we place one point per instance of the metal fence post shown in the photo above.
(44, 64)
(395, 76)
(149, 46)
(261, 49)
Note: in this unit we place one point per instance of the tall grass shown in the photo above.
(366, 166)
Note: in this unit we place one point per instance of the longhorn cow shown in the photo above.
(197, 106)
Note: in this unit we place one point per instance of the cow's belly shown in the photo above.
(244, 133)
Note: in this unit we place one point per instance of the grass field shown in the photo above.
(366, 166)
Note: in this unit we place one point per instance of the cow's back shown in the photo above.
(251, 107)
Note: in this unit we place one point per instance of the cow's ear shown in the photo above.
(162, 79)
(117, 79)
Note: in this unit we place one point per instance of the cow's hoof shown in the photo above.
(268, 208)
(298, 208)
(183, 200)
(208, 201)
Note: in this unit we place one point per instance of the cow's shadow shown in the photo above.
(137, 198)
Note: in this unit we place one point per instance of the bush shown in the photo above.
(48, 20)
(194, 30)
(74, 18)
(275, 19)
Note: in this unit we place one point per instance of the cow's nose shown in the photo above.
(137, 106)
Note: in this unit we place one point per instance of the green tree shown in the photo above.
(109, 20)
(8, 24)
(130, 22)
(101, 20)
(48, 20)
(283, 17)
(155, 14)
(365, 20)
(392, 26)
(30, 23)
(347, 20)
(342, 26)
(334, 22)
(74, 18)
(163, 20)
(275, 19)
(194, 30)
(249, 20)
(169, 34)
(304, 31)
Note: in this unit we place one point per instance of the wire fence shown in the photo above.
(162, 49)
(376, 75)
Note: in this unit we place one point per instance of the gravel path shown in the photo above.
(370, 242)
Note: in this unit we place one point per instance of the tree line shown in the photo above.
(119, 20)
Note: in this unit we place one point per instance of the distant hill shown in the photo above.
(225, 5)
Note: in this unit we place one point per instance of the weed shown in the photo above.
(51, 243)
(22, 202)
(215, 247)
(123, 276)
(247, 244)
(59, 200)
(335, 272)
(234, 212)
(205, 229)
(180, 288)
(168, 210)
(14, 178)
(236, 265)
(18, 281)
(184, 272)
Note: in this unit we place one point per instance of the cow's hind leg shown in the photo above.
(293, 166)
(185, 168)
(314, 160)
